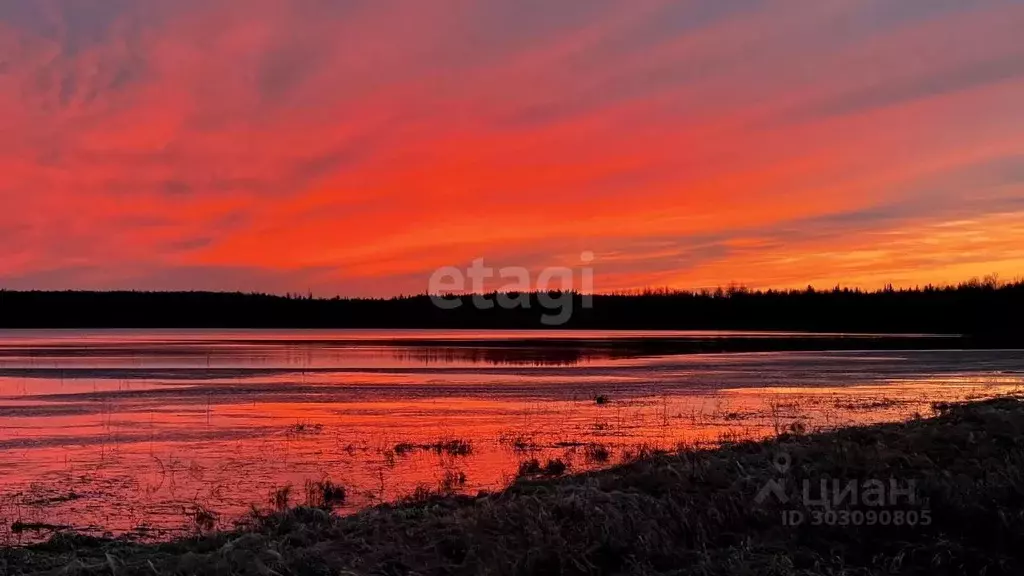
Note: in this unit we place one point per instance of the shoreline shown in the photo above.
(713, 511)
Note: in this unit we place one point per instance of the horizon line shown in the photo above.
(991, 281)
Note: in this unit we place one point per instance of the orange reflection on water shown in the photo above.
(131, 452)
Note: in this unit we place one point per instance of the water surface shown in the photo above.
(132, 431)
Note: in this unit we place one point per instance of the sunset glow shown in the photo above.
(353, 147)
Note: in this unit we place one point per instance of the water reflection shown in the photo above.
(60, 349)
(128, 434)
(290, 356)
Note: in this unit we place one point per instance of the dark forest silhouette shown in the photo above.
(980, 308)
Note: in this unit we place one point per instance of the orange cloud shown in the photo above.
(355, 147)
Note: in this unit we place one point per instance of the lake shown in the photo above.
(134, 432)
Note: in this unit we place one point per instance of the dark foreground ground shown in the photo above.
(695, 512)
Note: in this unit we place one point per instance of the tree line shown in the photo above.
(980, 308)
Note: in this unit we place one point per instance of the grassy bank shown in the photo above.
(741, 509)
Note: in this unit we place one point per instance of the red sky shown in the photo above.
(353, 147)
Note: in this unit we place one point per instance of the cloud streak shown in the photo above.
(353, 147)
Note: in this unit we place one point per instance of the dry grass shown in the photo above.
(692, 512)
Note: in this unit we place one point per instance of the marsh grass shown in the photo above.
(201, 519)
(555, 467)
(452, 481)
(403, 448)
(528, 468)
(687, 512)
(305, 427)
(533, 468)
(519, 442)
(443, 446)
(281, 498)
(324, 494)
(50, 500)
(453, 447)
(20, 526)
(449, 485)
(869, 404)
(597, 453)
(640, 452)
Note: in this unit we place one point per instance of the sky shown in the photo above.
(354, 147)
